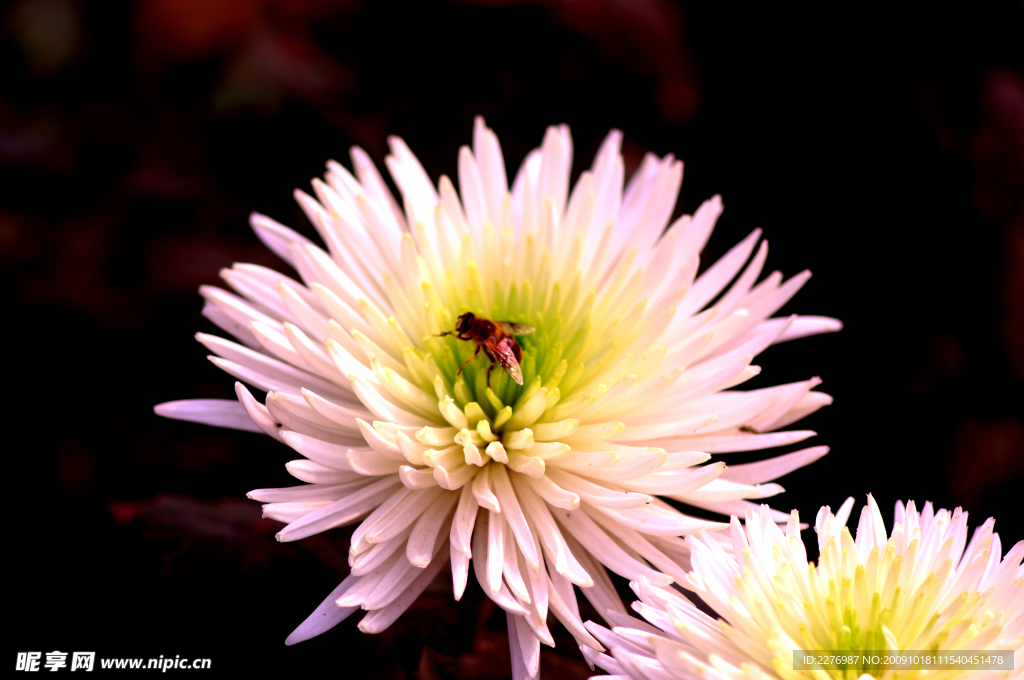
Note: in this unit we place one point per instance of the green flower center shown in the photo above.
(550, 354)
(880, 605)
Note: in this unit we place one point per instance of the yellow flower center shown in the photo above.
(882, 603)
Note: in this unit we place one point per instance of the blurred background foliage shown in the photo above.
(880, 144)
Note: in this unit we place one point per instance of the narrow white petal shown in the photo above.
(403, 512)
(568, 615)
(483, 492)
(596, 542)
(238, 329)
(528, 644)
(804, 326)
(636, 542)
(315, 473)
(597, 494)
(332, 455)
(388, 510)
(773, 468)
(462, 525)
(324, 617)
(306, 492)
(416, 478)
(369, 560)
(340, 512)
(216, 412)
(737, 440)
(603, 594)
(275, 236)
(262, 371)
(292, 411)
(495, 526)
(344, 414)
(502, 597)
(711, 282)
(551, 539)
(291, 511)
(421, 542)
(514, 516)
(460, 572)
(237, 309)
(552, 493)
(381, 407)
(510, 569)
(394, 587)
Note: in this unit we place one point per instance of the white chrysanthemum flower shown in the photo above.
(625, 380)
(924, 587)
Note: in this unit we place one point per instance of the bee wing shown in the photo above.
(516, 328)
(503, 354)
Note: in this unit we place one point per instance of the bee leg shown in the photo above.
(489, 369)
(458, 372)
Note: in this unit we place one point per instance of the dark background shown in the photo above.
(879, 144)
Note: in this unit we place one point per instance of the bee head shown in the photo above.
(465, 322)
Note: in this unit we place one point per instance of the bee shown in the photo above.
(496, 339)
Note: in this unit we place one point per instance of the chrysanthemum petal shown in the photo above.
(773, 468)
(339, 512)
(381, 619)
(324, 617)
(216, 412)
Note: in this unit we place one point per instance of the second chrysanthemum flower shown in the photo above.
(924, 597)
(536, 487)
